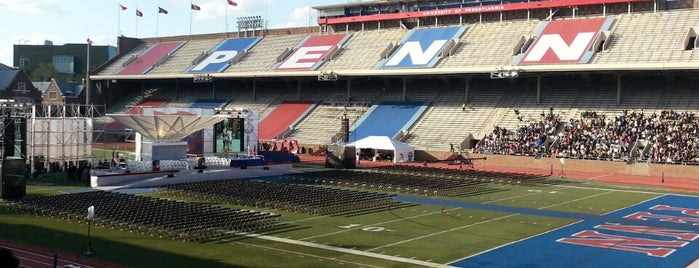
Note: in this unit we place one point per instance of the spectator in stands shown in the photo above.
(8, 258)
(463, 107)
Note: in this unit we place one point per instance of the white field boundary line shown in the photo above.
(620, 190)
(515, 197)
(345, 250)
(306, 254)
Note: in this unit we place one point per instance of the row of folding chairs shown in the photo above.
(470, 174)
(389, 182)
(166, 218)
(283, 196)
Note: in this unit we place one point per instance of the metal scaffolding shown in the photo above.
(60, 134)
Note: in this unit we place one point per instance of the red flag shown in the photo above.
(89, 42)
(195, 7)
(123, 7)
(162, 10)
(139, 13)
(230, 2)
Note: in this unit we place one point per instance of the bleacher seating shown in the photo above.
(324, 122)
(118, 64)
(363, 49)
(145, 61)
(183, 57)
(650, 37)
(283, 117)
(262, 56)
(387, 119)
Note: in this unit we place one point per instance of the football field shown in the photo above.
(559, 222)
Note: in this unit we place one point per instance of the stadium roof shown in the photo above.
(166, 127)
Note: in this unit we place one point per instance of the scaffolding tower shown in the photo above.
(58, 134)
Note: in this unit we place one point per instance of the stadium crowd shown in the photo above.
(667, 137)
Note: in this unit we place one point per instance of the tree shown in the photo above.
(43, 73)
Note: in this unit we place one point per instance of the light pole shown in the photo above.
(87, 74)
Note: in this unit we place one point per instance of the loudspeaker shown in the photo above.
(14, 137)
(344, 129)
(240, 132)
(338, 156)
(8, 137)
(14, 178)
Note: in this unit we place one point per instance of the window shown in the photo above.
(64, 64)
(53, 95)
(21, 87)
(23, 62)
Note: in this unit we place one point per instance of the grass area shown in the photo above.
(413, 231)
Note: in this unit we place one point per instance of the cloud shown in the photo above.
(299, 17)
(38, 38)
(35, 7)
(210, 11)
(6, 56)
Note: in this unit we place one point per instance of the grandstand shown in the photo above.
(500, 64)
(496, 97)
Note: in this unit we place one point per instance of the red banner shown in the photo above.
(471, 10)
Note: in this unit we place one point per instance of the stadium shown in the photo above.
(396, 134)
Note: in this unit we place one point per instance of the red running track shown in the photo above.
(36, 257)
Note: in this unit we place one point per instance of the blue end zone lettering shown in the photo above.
(657, 233)
(221, 56)
(421, 48)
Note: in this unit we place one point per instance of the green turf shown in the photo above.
(419, 232)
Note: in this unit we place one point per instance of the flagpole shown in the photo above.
(136, 21)
(157, 17)
(226, 17)
(87, 74)
(190, 17)
(119, 21)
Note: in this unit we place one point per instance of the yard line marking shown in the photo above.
(306, 254)
(378, 223)
(574, 200)
(599, 176)
(441, 232)
(346, 250)
(412, 217)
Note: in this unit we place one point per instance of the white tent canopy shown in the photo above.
(402, 152)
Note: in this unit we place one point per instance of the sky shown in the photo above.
(31, 22)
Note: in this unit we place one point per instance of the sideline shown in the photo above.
(345, 250)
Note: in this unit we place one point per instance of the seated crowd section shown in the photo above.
(665, 137)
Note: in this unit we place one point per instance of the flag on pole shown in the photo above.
(230, 2)
(162, 10)
(139, 13)
(195, 7)
(89, 42)
(123, 7)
